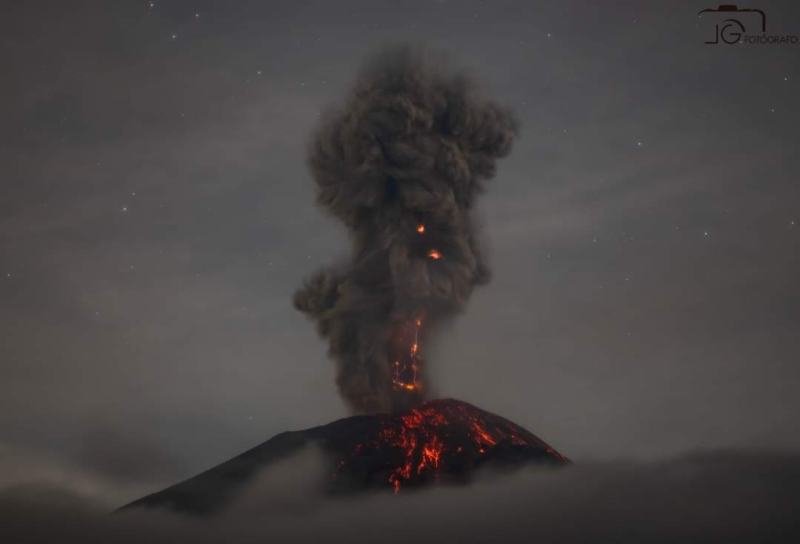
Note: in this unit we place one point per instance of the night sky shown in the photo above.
(156, 215)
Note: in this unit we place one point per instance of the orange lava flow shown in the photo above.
(434, 254)
(417, 439)
(421, 228)
(422, 442)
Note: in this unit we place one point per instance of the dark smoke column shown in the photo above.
(401, 164)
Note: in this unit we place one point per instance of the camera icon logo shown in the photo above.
(732, 22)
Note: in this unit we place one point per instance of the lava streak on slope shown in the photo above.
(441, 439)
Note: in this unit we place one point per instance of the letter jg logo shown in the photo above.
(730, 29)
(735, 25)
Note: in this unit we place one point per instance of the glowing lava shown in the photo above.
(443, 438)
(434, 254)
(407, 364)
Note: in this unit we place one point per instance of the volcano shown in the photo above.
(401, 163)
(438, 442)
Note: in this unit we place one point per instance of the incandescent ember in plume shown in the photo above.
(401, 164)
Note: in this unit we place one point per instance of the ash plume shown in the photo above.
(401, 164)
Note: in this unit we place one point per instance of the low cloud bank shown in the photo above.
(724, 497)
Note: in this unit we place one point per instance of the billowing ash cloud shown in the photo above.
(401, 164)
